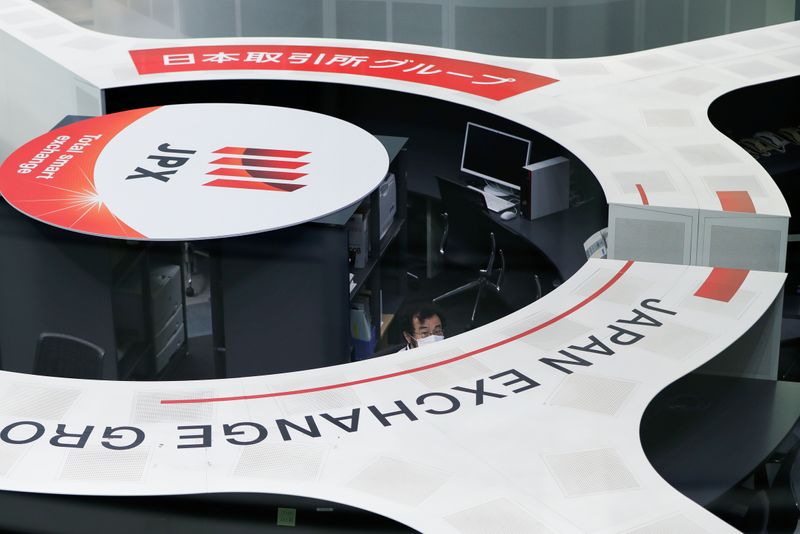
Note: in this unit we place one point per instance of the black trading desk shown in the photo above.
(704, 433)
(560, 236)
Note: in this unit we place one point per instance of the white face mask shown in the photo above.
(428, 340)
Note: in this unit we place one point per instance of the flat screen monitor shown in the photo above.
(494, 155)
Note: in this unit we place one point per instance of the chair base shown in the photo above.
(482, 282)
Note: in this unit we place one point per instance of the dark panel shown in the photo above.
(141, 6)
(501, 31)
(663, 22)
(747, 14)
(359, 19)
(164, 12)
(285, 300)
(215, 19)
(620, 27)
(593, 30)
(417, 23)
(706, 19)
(296, 18)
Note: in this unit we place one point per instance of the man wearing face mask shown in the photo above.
(422, 326)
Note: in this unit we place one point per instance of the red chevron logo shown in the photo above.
(260, 169)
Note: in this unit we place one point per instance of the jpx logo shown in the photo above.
(262, 169)
(168, 158)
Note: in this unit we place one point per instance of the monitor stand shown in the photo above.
(498, 190)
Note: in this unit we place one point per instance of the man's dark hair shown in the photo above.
(420, 313)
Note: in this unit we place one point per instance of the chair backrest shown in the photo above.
(468, 225)
(67, 357)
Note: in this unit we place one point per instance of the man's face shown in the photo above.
(431, 326)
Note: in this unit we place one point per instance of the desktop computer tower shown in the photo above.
(545, 189)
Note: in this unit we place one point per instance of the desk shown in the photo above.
(559, 236)
(704, 434)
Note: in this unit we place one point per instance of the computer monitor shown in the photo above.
(495, 156)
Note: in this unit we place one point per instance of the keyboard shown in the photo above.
(494, 203)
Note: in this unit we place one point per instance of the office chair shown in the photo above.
(67, 357)
(785, 493)
(463, 224)
(188, 254)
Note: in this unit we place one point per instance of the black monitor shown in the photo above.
(494, 155)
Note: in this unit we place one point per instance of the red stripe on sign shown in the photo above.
(260, 186)
(270, 152)
(433, 365)
(248, 173)
(642, 194)
(736, 201)
(275, 163)
(722, 284)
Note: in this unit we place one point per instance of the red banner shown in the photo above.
(481, 79)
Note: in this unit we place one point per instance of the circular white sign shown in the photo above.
(193, 171)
